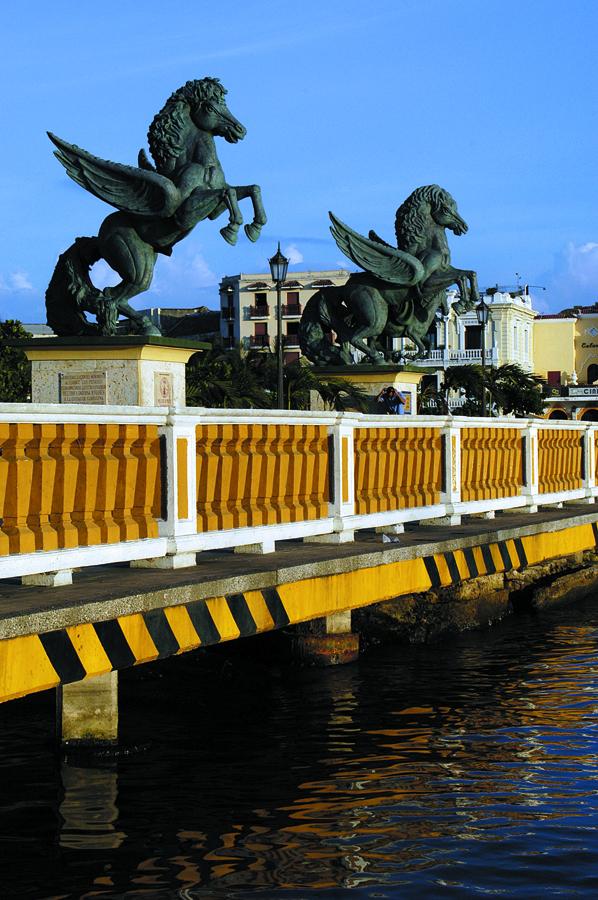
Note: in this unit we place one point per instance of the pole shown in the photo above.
(279, 356)
(484, 370)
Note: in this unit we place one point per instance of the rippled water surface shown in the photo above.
(457, 770)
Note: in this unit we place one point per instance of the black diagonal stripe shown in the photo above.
(161, 633)
(451, 562)
(203, 622)
(505, 555)
(115, 644)
(595, 530)
(275, 607)
(471, 563)
(521, 552)
(241, 614)
(63, 656)
(432, 570)
(488, 561)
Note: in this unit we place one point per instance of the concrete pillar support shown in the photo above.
(87, 711)
(175, 561)
(268, 545)
(530, 468)
(180, 508)
(342, 502)
(49, 579)
(328, 641)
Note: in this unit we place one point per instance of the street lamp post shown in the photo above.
(279, 265)
(483, 313)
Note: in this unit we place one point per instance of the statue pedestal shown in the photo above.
(372, 379)
(131, 370)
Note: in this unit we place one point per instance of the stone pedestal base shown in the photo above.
(132, 370)
(372, 379)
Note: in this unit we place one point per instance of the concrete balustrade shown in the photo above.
(86, 485)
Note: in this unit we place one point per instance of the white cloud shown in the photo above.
(184, 272)
(174, 276)
(293, 254)
(16, 281)
(574, 278)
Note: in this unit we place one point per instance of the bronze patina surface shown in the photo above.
(158, 205)
(400, 290)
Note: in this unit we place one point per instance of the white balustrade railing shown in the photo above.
(83, 485)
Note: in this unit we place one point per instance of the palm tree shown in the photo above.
(243, 379)
(511, 389)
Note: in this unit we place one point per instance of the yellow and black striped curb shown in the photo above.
(35, 662)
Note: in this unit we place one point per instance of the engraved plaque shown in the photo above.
(82, 387)
(162, 389)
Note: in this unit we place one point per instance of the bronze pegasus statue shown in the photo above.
(400, 290)
(158, 204)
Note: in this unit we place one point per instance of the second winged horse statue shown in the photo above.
(158, 205)
(400, 290)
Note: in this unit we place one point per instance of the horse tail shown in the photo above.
(71, 291)
(316, 323)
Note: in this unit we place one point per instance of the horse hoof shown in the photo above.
(229, 234)
(148, 328)
(253, 231)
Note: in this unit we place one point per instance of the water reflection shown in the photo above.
(88, 809)
(425, 772)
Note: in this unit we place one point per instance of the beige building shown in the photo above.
(566, 356)
(509, 337)
(248, 308)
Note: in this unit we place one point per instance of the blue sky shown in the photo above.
(349, 106)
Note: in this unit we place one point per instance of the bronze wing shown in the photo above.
(379, 258)
(128, 188)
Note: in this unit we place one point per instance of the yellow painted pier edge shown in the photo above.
(35, 662)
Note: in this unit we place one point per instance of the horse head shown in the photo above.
(424, 209)
(201, 103)
(444, 211)
(211, 114)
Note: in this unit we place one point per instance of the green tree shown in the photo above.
(510, 390)
(240, 379)
(15, 369)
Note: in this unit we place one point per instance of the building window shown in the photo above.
(261, 299)
(592, 373)
(473, 337)
(291, 357)
(553, 378)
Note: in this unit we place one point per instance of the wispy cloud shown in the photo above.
(16, 281)
(293, 254)
(182, 274)
(574, 277)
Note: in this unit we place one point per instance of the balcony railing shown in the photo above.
(259, 312)
(259, 340)
(164, 499)
(228, 343)
(457, 358)
(290, 340)
(227, 312)
(291, 309)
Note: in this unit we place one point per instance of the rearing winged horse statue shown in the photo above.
(401, 288)
(157, 205)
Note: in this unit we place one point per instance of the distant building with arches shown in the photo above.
(566, 356)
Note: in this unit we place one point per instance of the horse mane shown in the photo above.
(165, 135)
(412, 217)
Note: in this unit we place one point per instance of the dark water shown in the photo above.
(458, 770)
